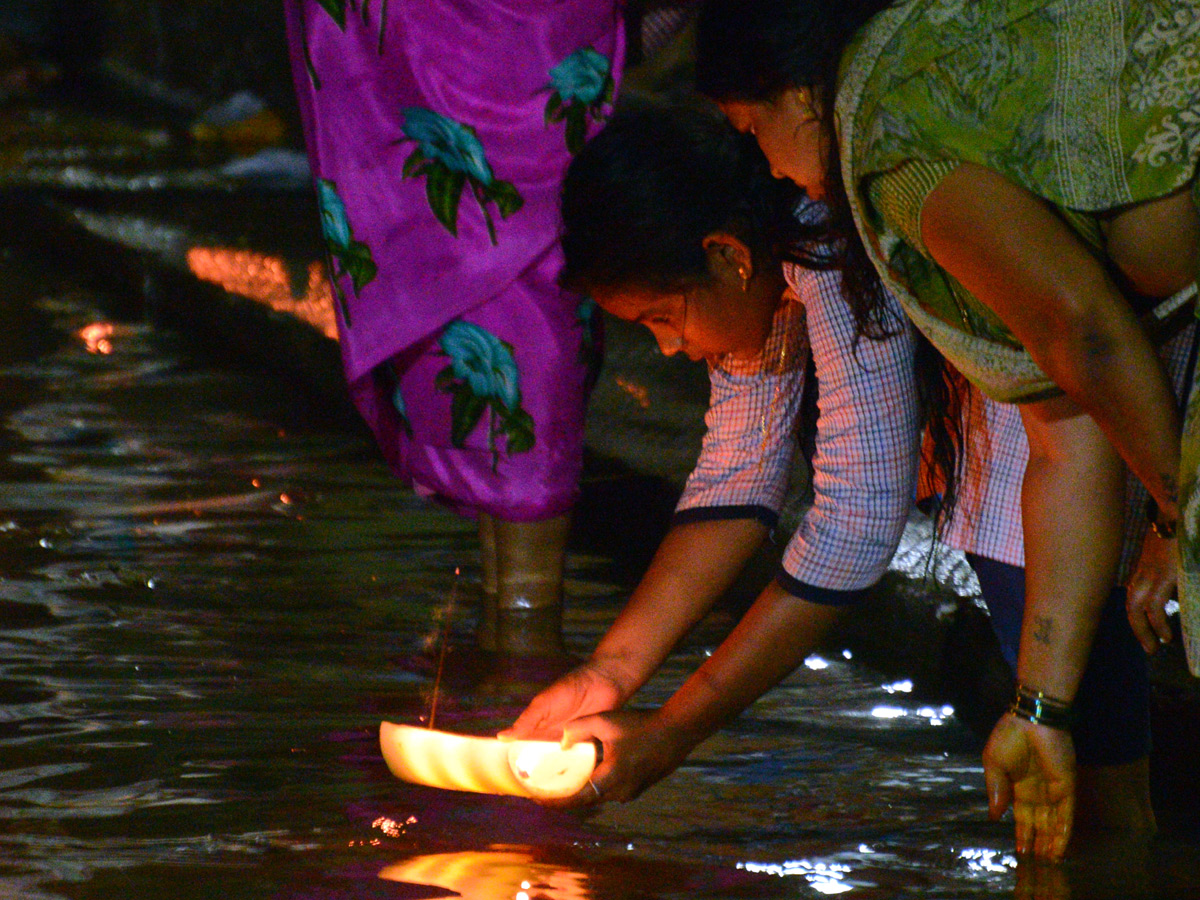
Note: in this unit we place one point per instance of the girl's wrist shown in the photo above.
(616, 671)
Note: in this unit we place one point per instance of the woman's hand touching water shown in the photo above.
(1032, 769)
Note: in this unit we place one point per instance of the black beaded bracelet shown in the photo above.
(1034, 706)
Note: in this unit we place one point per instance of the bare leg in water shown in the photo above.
(522, 585)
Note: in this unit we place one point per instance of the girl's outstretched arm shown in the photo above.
(770, 641)
(693, 566)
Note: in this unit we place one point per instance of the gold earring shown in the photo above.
(745, 280)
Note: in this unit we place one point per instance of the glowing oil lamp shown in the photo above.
(543, 770)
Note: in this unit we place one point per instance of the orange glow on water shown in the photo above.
(96, 337)
(498, 873)
(266, 280)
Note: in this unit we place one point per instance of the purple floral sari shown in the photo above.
(438, 132)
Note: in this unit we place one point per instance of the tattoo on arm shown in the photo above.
(1043, 629)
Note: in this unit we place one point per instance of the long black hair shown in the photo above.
(753, 51)
(640, 197)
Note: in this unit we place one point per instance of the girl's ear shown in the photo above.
(807, 101)
(728, 257)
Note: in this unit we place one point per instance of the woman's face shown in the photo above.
(708, 321)
(788, 129)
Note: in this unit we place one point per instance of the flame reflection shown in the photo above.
(96, 337)
(639, 392)
(265, 279)
(499, 873)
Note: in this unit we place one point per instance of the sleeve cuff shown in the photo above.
(823, 596)
(763, 514)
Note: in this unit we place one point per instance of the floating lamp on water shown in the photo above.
(543, 770)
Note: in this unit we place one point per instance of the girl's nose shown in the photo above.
(668, 344)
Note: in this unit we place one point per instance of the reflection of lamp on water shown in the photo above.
(98, 337)
(540, 769)
(497, 874)
(267, 280)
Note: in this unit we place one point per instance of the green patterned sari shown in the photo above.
(1089, 104)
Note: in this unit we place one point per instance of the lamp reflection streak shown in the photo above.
(266, 280)
(499, 873)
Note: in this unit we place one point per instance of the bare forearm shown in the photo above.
(1015, 255)
(1073, 517)
(693, 567)
(772, 639)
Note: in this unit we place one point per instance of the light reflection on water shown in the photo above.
(491, 875)
(206, 610)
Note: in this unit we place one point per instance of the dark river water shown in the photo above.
(208, 602)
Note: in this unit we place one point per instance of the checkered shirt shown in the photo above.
(867, 449)
(864, 467)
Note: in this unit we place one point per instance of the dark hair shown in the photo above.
(753, 51)
(640, 197)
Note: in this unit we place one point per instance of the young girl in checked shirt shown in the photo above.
(671, 219)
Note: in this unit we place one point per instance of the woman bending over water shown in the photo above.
(1021, 175)
(673, 221)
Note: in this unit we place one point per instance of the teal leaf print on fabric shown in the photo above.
(581, 88)
(450, 143)
(346, 255)
(337, 12)
(443, 190)
(334, 224)
(450, 158)
(401, 410)
(466, 409)
(519, 429)
(483, 377)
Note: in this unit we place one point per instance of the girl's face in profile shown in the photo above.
(678, 321)
(788, 129)
(708, 321)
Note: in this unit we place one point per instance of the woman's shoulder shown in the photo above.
(897, 197)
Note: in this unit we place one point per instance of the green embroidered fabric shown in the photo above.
(1091, 104)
